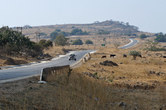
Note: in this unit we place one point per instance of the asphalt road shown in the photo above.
(129, 45)
(12, 73)
(20, 72)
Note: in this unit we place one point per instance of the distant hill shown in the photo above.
(107, 27)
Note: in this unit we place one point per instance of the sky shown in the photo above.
(148, 15)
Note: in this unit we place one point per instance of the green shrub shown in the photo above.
(88, 42)
(77, 42)
(135, 54)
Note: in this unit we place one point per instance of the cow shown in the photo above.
(140, 56)
(112, 55)
(104, 56)
(124, 55)
(164, 56)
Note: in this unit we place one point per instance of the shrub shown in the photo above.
(14, 43)
(161, 38)
(142, 36)
(45, 43)
(78, 32)
(88, 42)
(61, 40)
(77, 42)
(134, 54)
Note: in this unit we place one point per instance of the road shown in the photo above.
(129, 45)
(20, 72)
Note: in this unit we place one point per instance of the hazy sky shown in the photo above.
(148, 15)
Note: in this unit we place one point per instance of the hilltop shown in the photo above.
(105, 27)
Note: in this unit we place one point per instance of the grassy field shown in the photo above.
(132, 85)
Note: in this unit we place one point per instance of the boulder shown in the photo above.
(108, 63)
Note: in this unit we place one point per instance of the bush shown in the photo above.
(142, 36)
(14, 43)
(61, 40)
(77, 42)
(134, 54)
(45, 43)
(88, 42)
(161, 38)
(103, 32)
(78, 32)
(153, 48)
(58, 32)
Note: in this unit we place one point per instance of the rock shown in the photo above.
(122, 104)
(152, 72)
(135, 108)
(108, 63)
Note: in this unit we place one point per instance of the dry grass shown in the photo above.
(81, 92)
(133, 85)
(129, 70)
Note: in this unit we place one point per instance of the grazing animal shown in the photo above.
(140, 56)
(164, 56)
(124, 55)
(104, 56)
(112, 55)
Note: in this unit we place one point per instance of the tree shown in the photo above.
(142, 36)
(134, 54)
(45, 43)
(161, 38)
(78, 32)
(53, 35)
(88, 42)
(116, 44)
(58, 32)
(77, 42)
(14, 43)
(61, 40)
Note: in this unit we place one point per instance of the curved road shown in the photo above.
(129, 45)
(20, 72)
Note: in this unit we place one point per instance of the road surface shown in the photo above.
(20, 72)
(129, 45)
(12, 73)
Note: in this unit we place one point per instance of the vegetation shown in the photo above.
(88, 42)
(103, 32)
(14, 43)
(142, 36)
(61, 40)
(160, 38)
(58, 32)
(78, 32)
(153, 46)
(45, 43)
(77, 42)
(134, 54)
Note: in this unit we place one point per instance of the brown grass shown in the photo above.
(81, 92)
(130, 84)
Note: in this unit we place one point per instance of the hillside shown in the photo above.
(109, 26)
